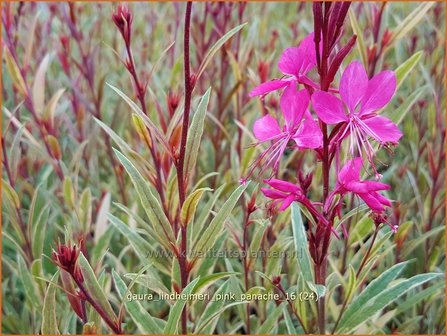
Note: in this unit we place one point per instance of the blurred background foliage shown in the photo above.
(61, 177)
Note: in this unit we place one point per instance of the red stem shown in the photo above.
(182, 257)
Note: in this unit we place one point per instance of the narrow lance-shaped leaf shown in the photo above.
(94, 289)
(176, 310)
(39, 86)
(206, 241)
(411, 21)
(382, 300)
(301, 246)
(14, 72)
(145, 118)
(374, 288)
(151, 205)
(190, 206)
(143, 320)
(360, 41)
(49, 320)
(271, 321)
(405, 68)
(195, 134)
(216, 47)
(39, 231)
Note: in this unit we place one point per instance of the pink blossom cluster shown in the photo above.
(353, 109)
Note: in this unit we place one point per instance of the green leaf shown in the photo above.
(410, 21)
(92, 286)
(31, 291)
(190, 206)
(140, 245)
(150, 203)
(154, 130)
(216, 47)
(360, 40)
(385, 297)
(149, 281)
(271, 320)
(49, 320)
(208, 280)
(211, 308)
(176, 310)
(39, 86)
(413, 300)
(195, 134)
(50, 108)
(142, 319)
(405, 68)
(39, 231)
(301, 245)
(14, 72)
(218, 313)
(374, 288)
(205, 211)
(15, 154)
(69, 193)
(289, 324)
(206, 241)
(352, 284)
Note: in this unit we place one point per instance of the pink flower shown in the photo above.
(285, 193)
(362, 98)
(299, 126)
(294, 63)
(349, 181)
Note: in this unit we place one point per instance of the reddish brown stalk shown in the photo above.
(182, 256)
(86, 69)
(140, 89)
(328, 22)
(376, 30)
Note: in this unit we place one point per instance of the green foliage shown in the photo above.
(79, 168)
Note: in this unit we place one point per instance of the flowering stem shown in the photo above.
(140, 92)
(182, 256)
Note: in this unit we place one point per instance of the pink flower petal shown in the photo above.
(293, 105)
(300, 60)
(376, 186)
(372, 202)
(273, 194)
(290, 60)
(328, 108)
(309, 134)
(384, 129)
(350, 171)
(380, 90)
(267, 87)
(266, 128)
(353, 84)
(286, 203)
(357, 187)
(382, 199)
(283, 185)
(307, 46)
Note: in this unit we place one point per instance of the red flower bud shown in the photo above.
(66, 257)
(122, 18)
